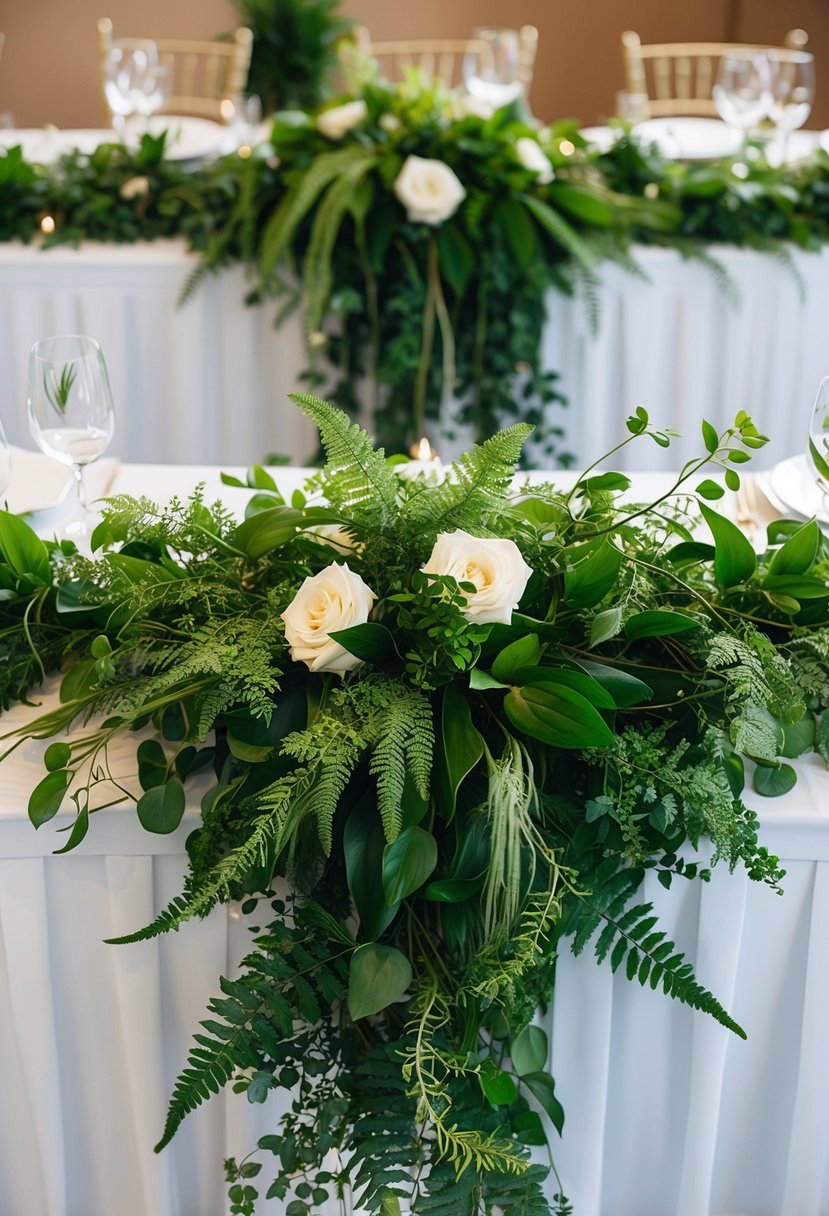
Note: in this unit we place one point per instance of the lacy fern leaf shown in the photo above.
(405, 741)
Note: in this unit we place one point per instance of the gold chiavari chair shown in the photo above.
(206, 75)
(677, 77)
(439, 58)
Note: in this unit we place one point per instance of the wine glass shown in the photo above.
(71, 415)
(129, 74)
(491, 66)
(741, 90)
(5, 462)
(152, 89)
(817, 452)
(791, 91)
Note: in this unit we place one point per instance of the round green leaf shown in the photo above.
(152, 764)
(161, 808)
(48, 794)
(379, 975)
(710, 489)
(101, 647)
(773, 780)
(57, 755)
(798, 737)
(528, 1050)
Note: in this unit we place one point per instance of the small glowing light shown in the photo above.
(422, 450)
(740, 170)
(566, 148)
(245, 151)
(227, 110)
(47, 225)
(651, 190)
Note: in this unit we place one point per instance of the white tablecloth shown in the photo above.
(208, 382)
(667, 1113)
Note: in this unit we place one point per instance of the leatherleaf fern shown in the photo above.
(441, 726)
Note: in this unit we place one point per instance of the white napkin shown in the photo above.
(38, 482)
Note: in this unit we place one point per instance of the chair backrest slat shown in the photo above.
(438, 58)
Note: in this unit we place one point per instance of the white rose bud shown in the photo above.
(336, 598)
(429, 190)
(339, 120)
(467, 106)
(337, 537)
(533, 157)
(134, 187)
(494, 565)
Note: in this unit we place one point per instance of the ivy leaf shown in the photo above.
(528, 1050)
(160, 810)
(57, 755)
(734, 558)
(407, 863)
(379, 975)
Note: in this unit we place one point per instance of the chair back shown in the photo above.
(439, 59)
(678, 77)
(205, 75)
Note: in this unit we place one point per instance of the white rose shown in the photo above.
(339, 120)
(533, 157)
(467, 106)
(134, 187)
(429, 190)
(494, 565)
(336, 598)
(390, 123)
(336, 536)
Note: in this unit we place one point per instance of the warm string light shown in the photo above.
(47, 225)
(566, 147)
(245, 151)
(423, 450)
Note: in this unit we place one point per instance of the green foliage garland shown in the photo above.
(448, 810)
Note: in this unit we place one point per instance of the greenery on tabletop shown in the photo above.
(445, 725)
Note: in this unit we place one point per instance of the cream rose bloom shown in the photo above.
(134, 187)
(494, 565)
(339, 120)
(533, 157)
(429, 190)
(336, 598)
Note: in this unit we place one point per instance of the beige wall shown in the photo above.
(47, 72)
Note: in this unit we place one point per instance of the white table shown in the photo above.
(208, 382)
(667, 1114)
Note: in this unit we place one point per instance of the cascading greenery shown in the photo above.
(415, 839)
(406, 322)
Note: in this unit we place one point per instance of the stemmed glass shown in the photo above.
(791, 91)
(741, 90)
(5, 462)
(71, 416)
(135, 82)
(491, 66)
(817, 452)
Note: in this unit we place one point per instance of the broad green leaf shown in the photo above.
(605, 625)
(266, 530)
(498, 1086)
(57, 755)
(734, 558)
(363, 847)
(371, 642)
(543, 1089)
(822, 739)
(529, 1050)
(710, 437)
(457, 261)
(260, 479)
(567, 677)
(593, 574)
(518, 229)
(798, 737)
(453, 890)
(48, 794)
(379, 975)
(528, 1128)
(79, 829)
(659, 623)
(460, 750)
(710, 489)
(625, 689)
(689, 552)
(820, 460)
(800, 587)
(584, 204)
(23, 549)
(606, 482)
(556, 715)
(160, 810)
(797, 555)
(407, 863)
(482, 681)
(773, 780)
(524, 653)
(152, 764)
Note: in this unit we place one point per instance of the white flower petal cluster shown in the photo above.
(134, 187)
(336, 598)
(429, 190)
(339, 120)
(493, 564)
(337, 537)
(467, 106)
(533, 157)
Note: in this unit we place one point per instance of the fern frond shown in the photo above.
(317, 272)
(475, 485)
(357, 477)
(405, 741)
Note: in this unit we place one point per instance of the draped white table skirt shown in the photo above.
(208, 382)
(667, 1114)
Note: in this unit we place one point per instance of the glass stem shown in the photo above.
(77, 469)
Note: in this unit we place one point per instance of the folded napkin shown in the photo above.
(38, 482)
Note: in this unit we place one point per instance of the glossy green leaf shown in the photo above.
(363, 848)
(820, 461)
(528, 1128)
(57, 755)
(371, 642)
(498, 1086)
(556, 715)
(482, 681)
(773, 780)
(455, 256)
(461, 749)
(265, 531)
(625, 689)
(407, 863)
(568, 677)
(529, 1050)
(517, 228)
(79, 829)
(23, 549)
(525, 652)
(152, 764)
(799, 587)
(734, 559)
(709, 489)
(161, 809)
(605, 625)
(453, 890)
(798, 737)
(798, 553)
(379, 976)
(543, 1089)
(46, 798)
(689, 552)
(605, 482)
(659, 623)
(593, 574)
(710, 437)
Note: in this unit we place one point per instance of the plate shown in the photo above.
(187, 139)
(45, 145)
(190, 138)
(792, 483)
(690, 138)
(601, 138)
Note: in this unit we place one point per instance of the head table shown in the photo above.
(667, 1114)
